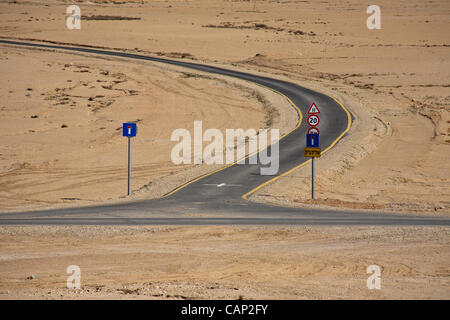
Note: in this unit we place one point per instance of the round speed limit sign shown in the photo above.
(313, 120)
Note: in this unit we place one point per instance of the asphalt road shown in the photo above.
(219, 198)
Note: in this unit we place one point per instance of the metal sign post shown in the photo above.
(129, 130)
(312, 178)
(312, 150)
(129, 165)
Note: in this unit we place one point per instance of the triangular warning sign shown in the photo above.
(313, 109)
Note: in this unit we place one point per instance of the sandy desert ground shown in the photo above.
(64, 145)
(398, 76)
(224, 262)
(60, 141)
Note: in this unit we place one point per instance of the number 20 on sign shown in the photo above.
(313, 120)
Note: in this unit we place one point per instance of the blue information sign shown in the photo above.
(129, 129)
(312, 140)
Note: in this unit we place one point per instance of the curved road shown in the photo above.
(220, 198)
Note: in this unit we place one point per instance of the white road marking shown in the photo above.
(223, 184)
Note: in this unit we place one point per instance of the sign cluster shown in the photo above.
(312, 148)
